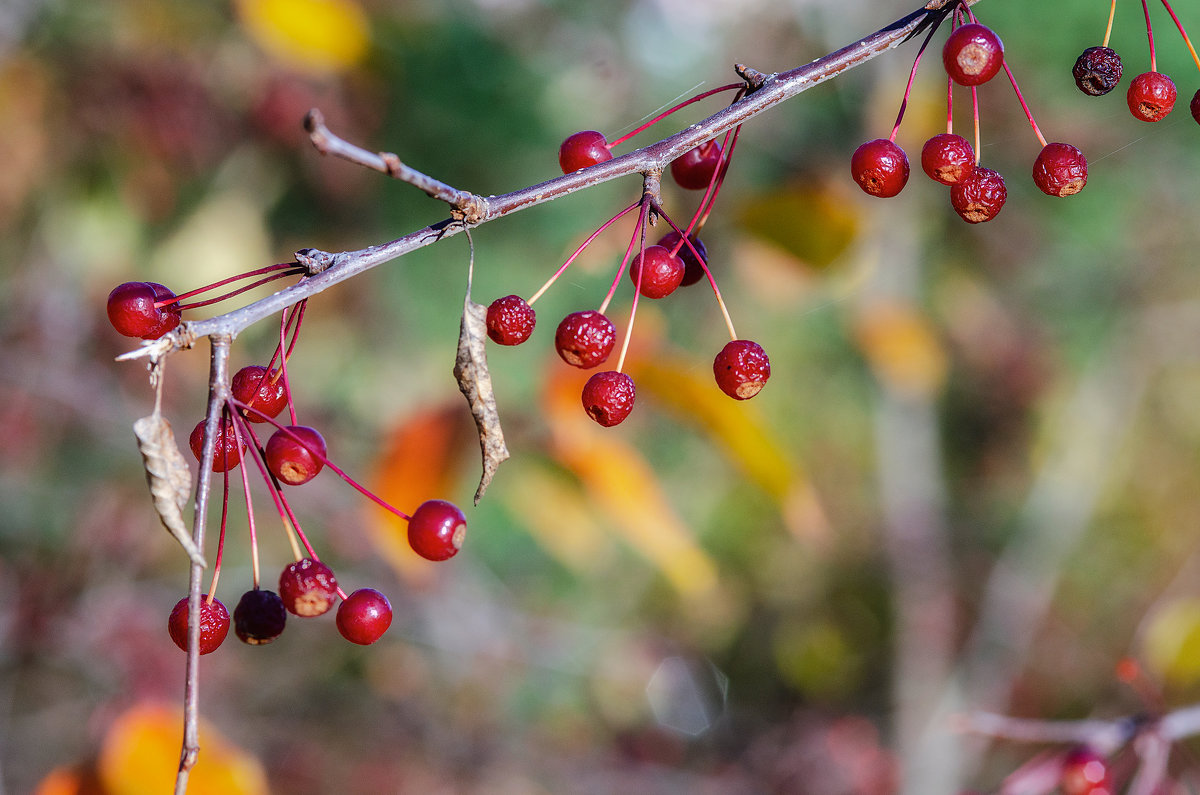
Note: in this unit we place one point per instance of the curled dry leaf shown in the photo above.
(169, 478)
(475, 381)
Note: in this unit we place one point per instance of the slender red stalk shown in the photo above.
(1182, 32)
(1024, 107)
(281, 503)
(667, 113)
(240, 290)
(1150, 36)
(579, 251)
(641, 225)
(912, 73)
(212, 588)
(223, 282)
(711, 279)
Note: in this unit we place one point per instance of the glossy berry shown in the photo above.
(259, 617)
(225, 451)
(608, 397)
(437, 529)
(510, 320)
(742, 369)
(583, 149)
(1084, 772)
(364, 616)
(1151, 96)
(1060, 170)
(307, 588)
(693, 271)
(132, 312)
(694, 169)
(214, 624)
(947, 158)
(979, 196)
(655, 272)
(880, 168)
(584, 339)
(253, 386)
(295, 454)
(973, 54)
(1097, 71)
(1194, 107)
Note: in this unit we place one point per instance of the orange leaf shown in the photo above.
(901, 347)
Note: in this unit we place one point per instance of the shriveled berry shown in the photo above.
(947, 158)
(510, 320)
(694, 169)
(1084, 772)
(437, 529)
(226, 452)
(973, 54)
(1060, 170)
(608, 397)
(214, 624)
(364, 616)
(307, 587)
(693, 271)
(132, 310)
(742, 369)
(880, 168)
(1151, 96)
(259, 617)
(261, 390)
(295, 454)
(655, 272)
(583, 149)
(1195, 106)
(979, 196)
(584, 339)
(1097, 71)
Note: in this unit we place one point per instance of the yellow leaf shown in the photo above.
(563, 524)
(312, 35)
(901, 347)
(1171, 642)
(811, 221)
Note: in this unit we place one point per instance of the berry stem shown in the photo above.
(637, 290)
(711, 279)
(296, 313)
(1182, 32)
(638, 230)
(258, 272)
(1024, 107)
(949, 105)
(239, 291)
(341, 594)
(1112, 12)
(975, 117)
(667, 113)
(579, 251)
(238, 427)
(728, 144)
(216, 576)
(281, 504)
(1150, 36)
(912, 73)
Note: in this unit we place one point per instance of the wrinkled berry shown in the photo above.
(1097, 71)
(742, 369)
(584, 339)
(510, 320)
(259, 617)
(880, 168)
(1151, 96)
(947, 158)
(1060, 170)
(693, 271)
(655, 272)
(214, 624)
(979, 196)
(226, 452)
(608, 397)
(253, 385)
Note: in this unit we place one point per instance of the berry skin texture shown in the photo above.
(132, 312)
(979, 196)
(437, 529)
(298, 457)
(694, 169)
(947, 158)
(742, 369)
(583, 149)
(510, 320)
(259, 617)
(307, 588)
(214, 624)
(693, 271)
(585, 339)
(1084, 772)
(364, 616)
(880, 168)
(225, 451)
(659, 272)
(1151, 96)
(973, 54)
(1060, 170)
(1097, 71)
(608, 397)
(252, 385)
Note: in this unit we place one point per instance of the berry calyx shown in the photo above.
(364, 616)
(584, 339)
(1060, 170)
(693, 271)
(880, 168)
(226, 451)
(307, 588)
(608, 397)
(979, 196)
(296, 454)
(694, 169)
(947, 158)
(583, 149)
(1151, 96)
(132, 310)
(437, 529)
(742, 369)
(259, 617)
(253, 385)
(510, 320)
(656, 272)
(973, 54)
(1084, 772)
(1097, 71)
(214, 624)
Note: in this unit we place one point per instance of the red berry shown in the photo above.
(584, 339)
(253, 385)
(364, 616)
(510, 320)
(880, 168)
(226, 453)
(693, 271)
(1097, 71)
(132, 312)
(437, 529)
(973, 54)
(214, 624)
(608, 397)
(1060, 170)
(694, 169)
(295, 454)
(307, 588)
(1084, 772)
(259, 617)
(947, 158)
(655, 272)
(979, 196)
(1151, 96)
(583, 149)
(742, 369)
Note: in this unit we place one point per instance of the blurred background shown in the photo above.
(972, 482)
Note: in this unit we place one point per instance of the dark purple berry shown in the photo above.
(583, 149)
(693, 271)
(437, 529)
(880, 168)
(214, 624)
(742, 369)
(364, 616)
(510, 320)
(973, 54)
(1097, 71)
(1060, 170)
(584, 339)
(608, 397)
(259, 617)
(307, 588)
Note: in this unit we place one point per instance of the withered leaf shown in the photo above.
(169, 478)
(475, 381)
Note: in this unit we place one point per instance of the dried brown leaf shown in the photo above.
(169, 478)
(475, 381)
